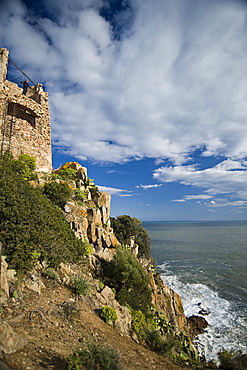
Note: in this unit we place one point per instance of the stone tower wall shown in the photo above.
(24, 120)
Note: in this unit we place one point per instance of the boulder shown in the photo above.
(197, 324)
(107, 298)
(34, 283)
(4, 286)
(9, 340)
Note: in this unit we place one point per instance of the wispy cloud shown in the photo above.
(145, 187)
(228, 178)
(193, 197)
(115, 191)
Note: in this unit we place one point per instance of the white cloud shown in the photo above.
(195, 197)
(114, 191)
(237, 203)
(228, 178)
(175, 81)
(222, 178)
(145, 187)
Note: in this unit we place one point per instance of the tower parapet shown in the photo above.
(24, 119)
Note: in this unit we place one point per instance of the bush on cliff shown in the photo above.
(58, 193)
(94, 356)
(30, 225)
(125, 226)
(130, 281)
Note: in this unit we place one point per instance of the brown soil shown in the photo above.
(56, 322)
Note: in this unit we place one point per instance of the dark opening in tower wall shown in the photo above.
(19, 111)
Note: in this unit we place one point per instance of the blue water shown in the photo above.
(205, 263)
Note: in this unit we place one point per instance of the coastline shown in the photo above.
(180, 250)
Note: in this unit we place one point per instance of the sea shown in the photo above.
(206, 264)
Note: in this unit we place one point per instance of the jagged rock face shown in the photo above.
(167, 301)
(197, 324)
(91, 220)
(107, 298)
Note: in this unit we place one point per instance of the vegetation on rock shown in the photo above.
(130, 280)
(108, 314)
(58, 192)
(230, 360)
(125, 226)
(30, 223)
(94, 356)
(80, 285)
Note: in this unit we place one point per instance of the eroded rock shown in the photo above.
(9, 340)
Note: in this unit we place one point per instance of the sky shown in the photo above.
(149, 95)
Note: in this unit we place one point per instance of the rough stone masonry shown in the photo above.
(24, 119)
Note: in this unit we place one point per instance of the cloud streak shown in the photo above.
(145, 187)
(115, 191)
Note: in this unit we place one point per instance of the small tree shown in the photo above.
(125, 226)
(130, 281)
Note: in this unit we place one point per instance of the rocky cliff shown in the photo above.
(91, 222)
(88, 213)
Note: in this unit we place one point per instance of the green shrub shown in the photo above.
(67, 174)
(108, 314)
(24, 166)
(80, 285)
(88, 247)
(125, 226)
(80, 195)
(94, 356)
(51, 273)
(138, 322)
(27, 165)
(157, 343)
(230, 360)
(31, 224)
(130, 280)
(58, 193)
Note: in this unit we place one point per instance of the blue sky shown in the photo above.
(149, 95)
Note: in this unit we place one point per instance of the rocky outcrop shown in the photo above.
(9, 340)
(89, 217)
(106, 298)
(4, 286)
(197, 325)
(166, 300)
(90, 221)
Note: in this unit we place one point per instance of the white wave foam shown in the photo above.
(226, 325)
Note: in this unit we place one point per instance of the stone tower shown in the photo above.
(24, 119)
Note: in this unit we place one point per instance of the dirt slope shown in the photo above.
(56, 322)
